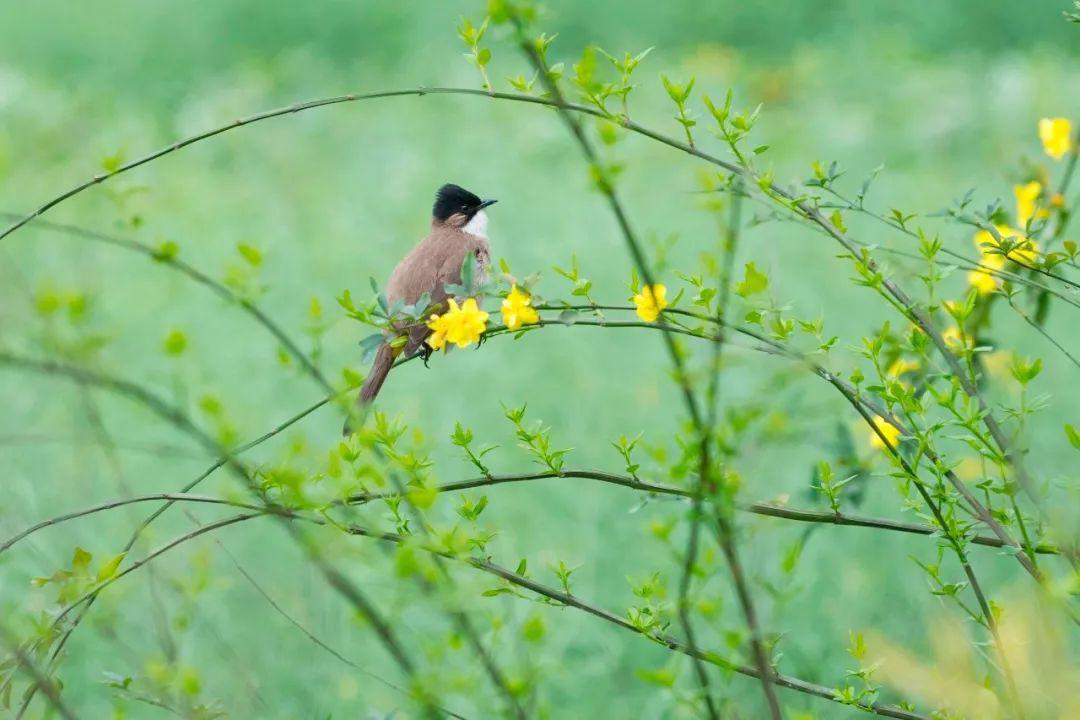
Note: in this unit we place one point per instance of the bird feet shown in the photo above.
(425, 352)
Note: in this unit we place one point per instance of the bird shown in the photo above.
(458, 229)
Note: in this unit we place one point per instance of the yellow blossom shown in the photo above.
(1027, 198)
(1025, 252)
(997, 363)
(650, 301)
(517, 309)
(983, 282)
(1057, 200)
(439, 324)
(1025, 249)
(1056, 136)
(953, 337)
(983, 279)
(969, 469)
(890, 433)
(902, 366)
(461, 326)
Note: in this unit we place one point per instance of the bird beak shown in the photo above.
(485, 203)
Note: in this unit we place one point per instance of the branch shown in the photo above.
(179, 420)
(37, 676)
(664, 639)
(759, 508)
(198, 276)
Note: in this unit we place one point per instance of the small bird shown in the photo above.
(458, 230)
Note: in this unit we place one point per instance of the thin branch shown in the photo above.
(310, 635)
(759, 508)
(704, 482)
(565, 108)
(198, 276)
(178, 419)
(521, 581)
(664, 639)
(40, 680)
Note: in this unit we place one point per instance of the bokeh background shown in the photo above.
(945, 95)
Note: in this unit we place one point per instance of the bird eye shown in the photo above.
(464, 207)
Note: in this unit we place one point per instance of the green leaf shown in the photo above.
(533, 629)
(251, 254)
(662, 677)
(1073, 435)
(468, 267)
(108, 570)
(370, 344)
(112, 163)
(166, 251)
(175, 343)
(754, 282)
(80, 561)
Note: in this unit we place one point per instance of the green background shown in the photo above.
(946, 95)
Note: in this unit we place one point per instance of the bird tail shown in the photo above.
(384, 360)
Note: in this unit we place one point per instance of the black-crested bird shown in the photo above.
(458, 230)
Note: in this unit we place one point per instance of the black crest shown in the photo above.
(454, 199)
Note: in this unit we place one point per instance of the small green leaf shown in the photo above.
(1073, 435)
(251, 254)
(533, 629)
(175, 343)
(106, 571)
(754, 282)
(80, 560)
(166, 251)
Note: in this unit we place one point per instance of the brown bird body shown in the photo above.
(458, 230)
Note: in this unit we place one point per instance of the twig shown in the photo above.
(704, 483)
(759, 508)
(40, 679)
(178, 419)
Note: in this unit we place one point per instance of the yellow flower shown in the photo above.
(650, 301)
(1056, 136)
(1057, 200)
(471, 322)
(461, 326)
(983, 280)
(1026, 250)
(902, 366)
(953, 337)
(997, 363)
(1027, 198)
(439, 324)
(891, 434)
(969, 469)
(517, 309)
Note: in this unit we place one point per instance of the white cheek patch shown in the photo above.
(477, 225)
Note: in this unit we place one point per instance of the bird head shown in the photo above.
(457, 207)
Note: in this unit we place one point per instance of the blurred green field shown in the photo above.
(946, 97)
